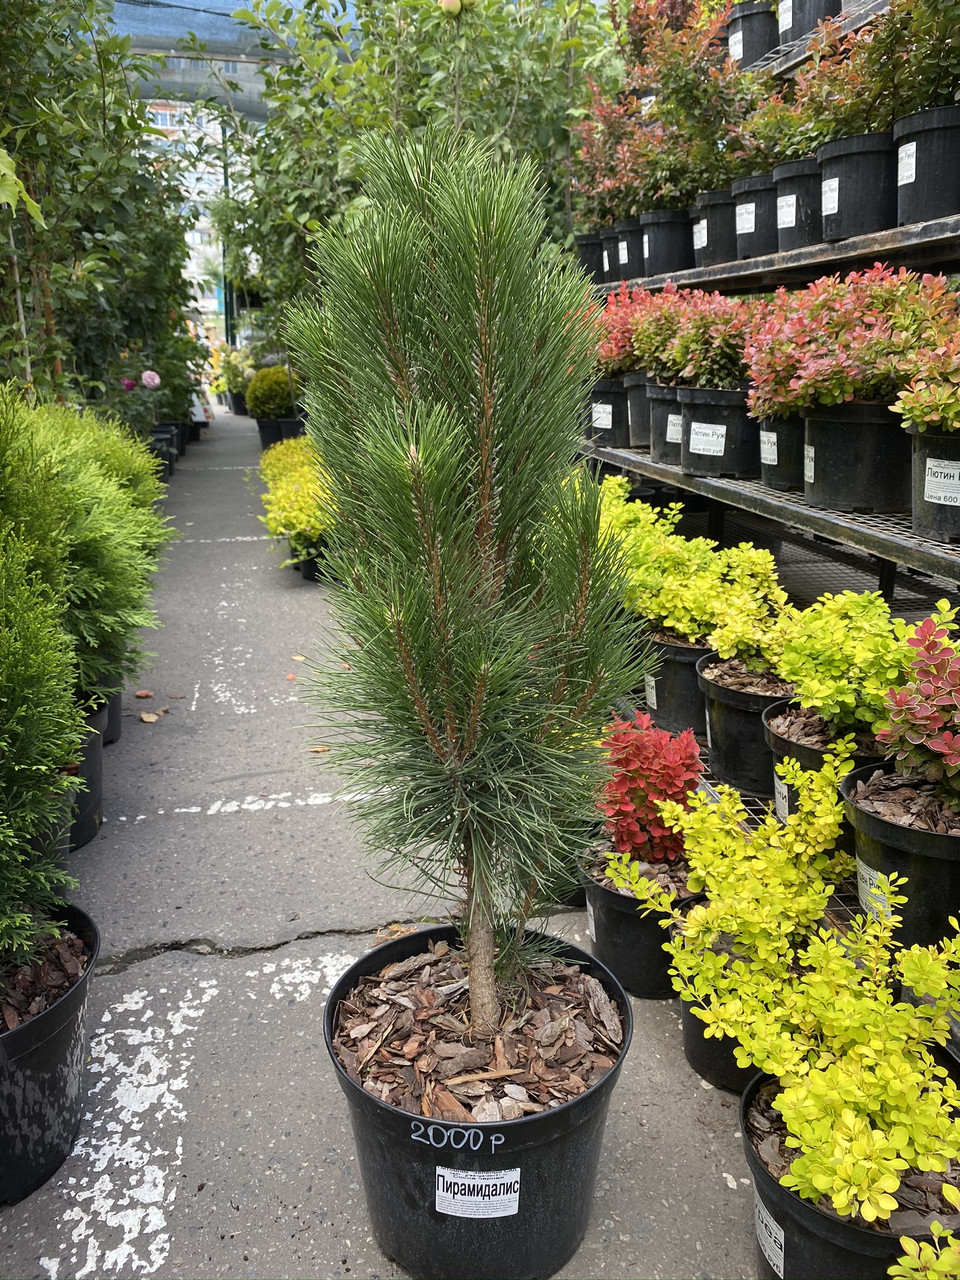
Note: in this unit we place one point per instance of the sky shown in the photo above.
(207, 19)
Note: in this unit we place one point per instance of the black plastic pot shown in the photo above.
(629, 248)
(781, 452)
(799, 219)
(270, 431)
(638, 410)
(308, 568)
(698, 234)
(718, 438)
(796, 1240)
(590, 254)
(41, 1070)
(673, 696)
(856, 457)
(89, 811)
(114, 727)
(718, 222)
(928, 165)
(238, 403)
(608, 426)
(290, 428)
(739, 755)
(666, 424)
(858, 192)
(936, 485)
(751, 32)
(628, 943)
(667, 242)
(808, 14)
(713, 1060)
(755, 200)
(610, 253)
(544, 1165)
(930, 862)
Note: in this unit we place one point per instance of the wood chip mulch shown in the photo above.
(807, 728)
(919, 1195)
(29, 990)
(403, 1035)
(671, 876)
(733, 674)
(906, 802)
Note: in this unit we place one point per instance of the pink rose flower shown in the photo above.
(128, 384)
(150, 379)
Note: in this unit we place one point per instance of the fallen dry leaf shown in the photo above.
(148, 717)
(291, 676)
(319, 751)
(144, 693)
(176, 697)
(297, 657)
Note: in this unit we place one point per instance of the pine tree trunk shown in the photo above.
(481, 949)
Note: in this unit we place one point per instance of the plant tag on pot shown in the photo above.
(769, 1235)
(708, 438)
(646, 245)
(602, 417)
(941, 482)
(700, 234)
(650, 692)
(781, 801)
(736, 46)
(809, 461)
(466, 1193)
(871, 899)
(907, 164)
(591, 921)
(709, 741)
(786, 211)
(746, 219)
(768, 448)
(606, 263)
(830, 196)
(674, 428)
(623, 252)
(785, 15)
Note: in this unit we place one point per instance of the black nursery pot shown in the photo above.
(638, 410)
(739, 755)
(856, 457)
(673, 695)
(756, 215)
(608, 414)
(928, 165)
(89, 810)
(858, 193)
(590, 253)
(610, 255)
(666, 424)
(41, 1071)
(507, 1201)
(713, 1060)
(799, 218)
(798, 1241)
(719, 439)
(751, 32)
(628, 943)
(936, 485)
(667, 242)
(717, 236)
(238, 403)
(781, 453)
(114, 718)
(930, 862)
(270, 431)
(629, 248)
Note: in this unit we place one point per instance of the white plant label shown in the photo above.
(736, 46)
(591, 921)
(746, 219)
(786, 211)
(768, 448)
(629, 412)
(708, 438)
(464, 1193)
(809, 464)
(709, 741)
(647, 103)
(650, 692)
(941, 482)
(769, 1233)
(781, 801)
(623, 250)
(907, 164)
(871, 899)
(674, 428)
(646, 245)
(602, 417)
(785, 15)
(700, 234)
(606, 263)
(830, 196)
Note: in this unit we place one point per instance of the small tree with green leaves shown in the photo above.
(447, 362)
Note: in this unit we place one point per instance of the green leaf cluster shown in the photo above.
(297, 502)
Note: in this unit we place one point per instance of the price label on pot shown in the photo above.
(941, 482)
(707, 438)
(769, 1235)
(709, 741)
(736, 46)
(700, 234)
(786, 211)
(907, 164)
(768, 448)
(809, 463)
(650, 692)
(674, 428)
(781, 801)
(602, 417)
(646, 245)
(830, 196)
(606, 263)
(746, 219)
(467, 1194)
(624, 252)
(591, 922)
(785, 15)
(868, 891)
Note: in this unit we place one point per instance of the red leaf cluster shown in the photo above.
(924, 715)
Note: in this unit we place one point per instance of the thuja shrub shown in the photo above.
(647, 765)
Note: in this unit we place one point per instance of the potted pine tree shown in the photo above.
(447, 360)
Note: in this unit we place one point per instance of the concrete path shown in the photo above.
(230, 893)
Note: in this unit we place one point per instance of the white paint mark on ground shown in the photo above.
(256, 804)
(298, 976)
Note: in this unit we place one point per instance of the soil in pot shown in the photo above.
(928, 165)
(735, 701)
(858, 193)
(468, 1169)
(781, 453)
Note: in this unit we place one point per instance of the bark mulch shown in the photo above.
(733, 674)
(32, 988)
(906, 802)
